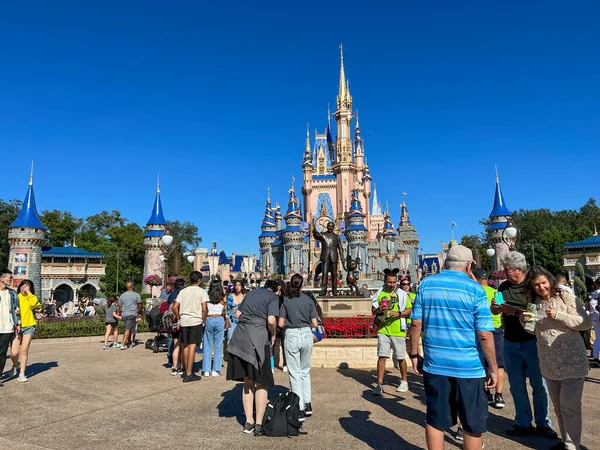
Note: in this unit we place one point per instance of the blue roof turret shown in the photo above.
(268, 220)
(499, 208)
(293, 209)
(28, 216)
(157, 217)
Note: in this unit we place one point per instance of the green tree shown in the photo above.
(543, 233)
(185, 239)
(62, 227)
(477, 243)
(8, 213)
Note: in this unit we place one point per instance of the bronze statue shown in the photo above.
(331, 246)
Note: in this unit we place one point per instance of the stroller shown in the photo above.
(158, 323)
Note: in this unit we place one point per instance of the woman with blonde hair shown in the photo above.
(558, 319)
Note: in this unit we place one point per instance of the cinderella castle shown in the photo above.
(337, 187)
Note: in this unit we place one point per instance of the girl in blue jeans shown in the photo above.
(214, 330)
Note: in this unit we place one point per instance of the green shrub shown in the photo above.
(78, 327)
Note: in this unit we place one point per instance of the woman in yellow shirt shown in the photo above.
(28, 302)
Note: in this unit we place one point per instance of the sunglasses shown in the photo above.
(404, 284)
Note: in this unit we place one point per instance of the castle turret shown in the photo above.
(155, 229)
(499, 217)
(359, 147)
(293, 234)
(278, 218)
(344, 167)
(407, 243)
(26, 236)
(307, 171)
(267, 237)
(356, 233)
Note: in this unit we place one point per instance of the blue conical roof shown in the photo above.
(28, 216)
(157, 217)
(499, 208)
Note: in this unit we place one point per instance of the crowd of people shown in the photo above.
(473, 337)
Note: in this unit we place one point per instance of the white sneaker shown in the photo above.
(403, 387)
(22, 378)
(285, 369)
(215, 374)
(206, 374)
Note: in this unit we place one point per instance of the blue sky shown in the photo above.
(215, 97)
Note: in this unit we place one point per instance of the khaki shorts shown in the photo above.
(386, 343)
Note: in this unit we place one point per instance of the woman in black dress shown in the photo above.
(250, 351)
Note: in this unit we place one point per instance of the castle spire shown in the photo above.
(307, 162)
(376, 210)
(344, 99)
(499, 208)
(28, 216)
(157, 217)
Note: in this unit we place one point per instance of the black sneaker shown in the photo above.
(173, 371)
(490, 397)
(546, 432)
(190, 378)
(308, 410)
(302, 416)
(258, 430)
(499, 401)
(248, 428)
(559, 446)
(518, 430)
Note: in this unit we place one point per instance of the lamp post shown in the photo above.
(510, 235)
(166, 245)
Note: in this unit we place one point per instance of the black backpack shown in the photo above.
(281, 416)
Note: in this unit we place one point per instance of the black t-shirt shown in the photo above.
(514, 295)
(298, 311)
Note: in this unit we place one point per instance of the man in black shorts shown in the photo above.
(130, 305)
(189, 309)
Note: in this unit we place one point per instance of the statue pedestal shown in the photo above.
(345, 306)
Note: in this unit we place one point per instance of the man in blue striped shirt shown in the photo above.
(453, 312)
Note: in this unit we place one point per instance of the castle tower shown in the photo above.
(377, 219)
(356, 233)
(407, 243)
(278, 218)
(307, 171)
(26, 236)
(344, 166)
(293, 235)
(499, 216)
(155, 228)
(266, 238)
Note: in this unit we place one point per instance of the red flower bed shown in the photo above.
(349, 327)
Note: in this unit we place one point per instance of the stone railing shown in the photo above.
(73, 270)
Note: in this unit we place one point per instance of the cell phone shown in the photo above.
(499, 298)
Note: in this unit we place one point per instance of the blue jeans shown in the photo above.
(231, 328)
(298, 352)
(520, 363)
(214, 331)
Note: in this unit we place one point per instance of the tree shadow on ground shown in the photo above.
(231, 405)
(374, 435)
(37, 368)
(392, 401)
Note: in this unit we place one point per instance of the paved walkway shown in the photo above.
(82, 397)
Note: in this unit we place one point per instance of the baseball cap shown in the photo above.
(459, 253)
(480, 274)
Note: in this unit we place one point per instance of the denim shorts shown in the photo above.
(27, 330)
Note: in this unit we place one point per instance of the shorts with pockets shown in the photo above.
(129, 322)
(499, 346)
(448, 397)
(386, 343)
(191, 335)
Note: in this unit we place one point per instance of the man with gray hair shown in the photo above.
(520, 352)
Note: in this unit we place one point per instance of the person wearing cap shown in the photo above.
(497, 400)
(521, 353)
(453, 311)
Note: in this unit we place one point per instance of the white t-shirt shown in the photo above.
(190, 302)
(6, 323)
